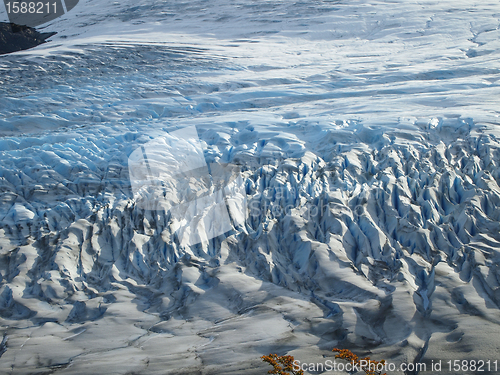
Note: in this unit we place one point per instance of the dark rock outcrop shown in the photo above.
(15, 38)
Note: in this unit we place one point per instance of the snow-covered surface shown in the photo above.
(366, 133)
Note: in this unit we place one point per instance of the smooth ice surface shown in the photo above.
(364, 135)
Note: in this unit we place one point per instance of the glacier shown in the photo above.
(366, 136)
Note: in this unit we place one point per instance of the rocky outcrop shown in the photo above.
(15, 38)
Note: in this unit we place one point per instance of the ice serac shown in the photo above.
(371, 233)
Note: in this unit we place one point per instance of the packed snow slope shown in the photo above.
(366, 133)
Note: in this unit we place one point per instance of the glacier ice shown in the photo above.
(354, 151)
